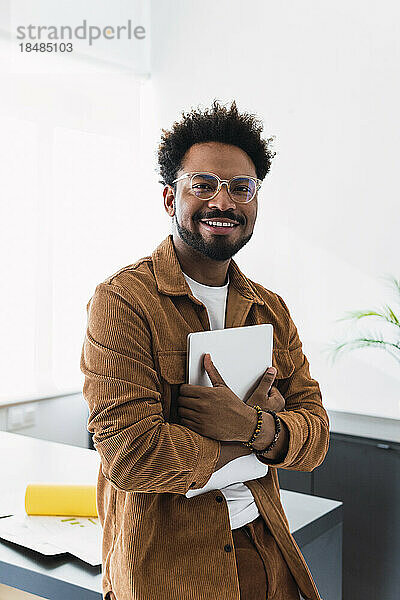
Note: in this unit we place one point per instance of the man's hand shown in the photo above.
(215, 412)
(266, 395)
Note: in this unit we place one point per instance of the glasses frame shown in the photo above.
(257, 182)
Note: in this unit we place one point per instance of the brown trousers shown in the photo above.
(262, 571)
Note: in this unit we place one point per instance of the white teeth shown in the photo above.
(219, 224)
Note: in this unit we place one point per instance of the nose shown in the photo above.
(222, 200)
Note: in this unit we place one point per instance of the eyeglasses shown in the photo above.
(206, 186)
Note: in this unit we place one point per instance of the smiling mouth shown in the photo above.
(218, 227)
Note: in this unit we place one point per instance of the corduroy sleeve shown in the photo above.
(139, 451)
(305, 418)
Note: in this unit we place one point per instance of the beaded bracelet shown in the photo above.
(258, 429)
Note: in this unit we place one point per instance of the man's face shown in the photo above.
(226, 161)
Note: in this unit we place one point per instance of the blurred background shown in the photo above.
(80, 198)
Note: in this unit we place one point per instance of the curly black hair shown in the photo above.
(217, 124)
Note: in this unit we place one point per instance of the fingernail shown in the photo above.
(271, 370)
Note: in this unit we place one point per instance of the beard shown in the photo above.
(218, 248)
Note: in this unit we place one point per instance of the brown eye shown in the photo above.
(204, 186)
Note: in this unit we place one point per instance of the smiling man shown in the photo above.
(188, 492)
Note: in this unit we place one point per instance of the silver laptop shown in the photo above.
(241, 355)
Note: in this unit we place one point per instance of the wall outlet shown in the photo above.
(20, 416)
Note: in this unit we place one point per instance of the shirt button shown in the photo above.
(218, 498)
(227, 548)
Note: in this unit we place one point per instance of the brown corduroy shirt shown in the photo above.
(157, 543)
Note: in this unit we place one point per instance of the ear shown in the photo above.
(168, 194)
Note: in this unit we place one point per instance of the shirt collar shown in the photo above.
(170, 279)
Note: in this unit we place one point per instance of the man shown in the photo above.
(170, 530)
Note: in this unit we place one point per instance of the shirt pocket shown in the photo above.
(285, 367)
(172, 364)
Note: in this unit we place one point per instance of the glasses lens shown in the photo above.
(242, 189)
(204, 186)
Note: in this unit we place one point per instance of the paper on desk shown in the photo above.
(80, 536)
(20, 530)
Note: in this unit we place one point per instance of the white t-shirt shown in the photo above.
(229, 479)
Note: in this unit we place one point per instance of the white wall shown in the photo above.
(71, 203)
(323, 76)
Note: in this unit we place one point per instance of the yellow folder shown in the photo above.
(63, 500)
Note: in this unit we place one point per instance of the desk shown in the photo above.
(316, 524)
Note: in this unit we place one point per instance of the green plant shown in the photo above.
(386, 314)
